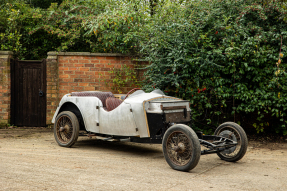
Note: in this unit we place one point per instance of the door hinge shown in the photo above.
(131, 110)
(98, 124)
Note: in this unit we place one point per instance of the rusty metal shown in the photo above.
(173, 107)
(62, 129)
(177, 117)
(180, 148)
(91, 135)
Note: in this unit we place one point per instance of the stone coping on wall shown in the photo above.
(54, 55)
(5, 54)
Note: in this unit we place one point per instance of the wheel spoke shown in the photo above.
(65, 135)
(179, 148)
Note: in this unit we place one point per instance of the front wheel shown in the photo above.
(181, 147)
(236, 133)
(66, 129)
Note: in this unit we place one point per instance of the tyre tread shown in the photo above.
(76, 128)
(244, 141)
(196, 147)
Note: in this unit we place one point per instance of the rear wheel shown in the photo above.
(236, 133)
(181, 147)
(66, 129)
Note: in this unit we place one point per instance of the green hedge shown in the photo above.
(73, 25)
(226, 57)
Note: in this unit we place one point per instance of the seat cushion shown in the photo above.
(101, 95)
(112, 103)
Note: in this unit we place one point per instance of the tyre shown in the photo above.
(66, 129)
(181, 147)
(236, 133)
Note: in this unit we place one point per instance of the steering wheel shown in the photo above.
(131, 92)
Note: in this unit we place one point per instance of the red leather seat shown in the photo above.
(101, 95)
(112, 103)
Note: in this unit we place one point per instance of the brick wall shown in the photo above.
(5, 81)
(80, 71)
(52, 91)
(66, 73)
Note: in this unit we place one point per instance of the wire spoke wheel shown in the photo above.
(181, 147)
(66, 129)
(236, 133)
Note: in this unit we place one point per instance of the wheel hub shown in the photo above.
(65, 128)
(180, 148)
(62, 129)
(230, 135)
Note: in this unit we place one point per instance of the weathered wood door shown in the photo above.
(28, 93)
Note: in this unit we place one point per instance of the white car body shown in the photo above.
(129, 118)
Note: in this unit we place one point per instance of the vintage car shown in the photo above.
(145, 118)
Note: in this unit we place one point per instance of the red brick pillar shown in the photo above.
(52, 91)
(5, 86)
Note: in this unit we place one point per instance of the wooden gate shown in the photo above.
(28, 93)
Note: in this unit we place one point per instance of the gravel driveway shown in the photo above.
(30, 159)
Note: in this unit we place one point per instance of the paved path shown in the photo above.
(33, 161)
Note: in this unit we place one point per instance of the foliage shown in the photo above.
(43, 4)
(9, 31)
(226, 57)
(17, 20)
(115, 28)
(6, 125)
(125, 76)
(74, 25)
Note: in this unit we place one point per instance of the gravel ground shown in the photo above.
(30, 159)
